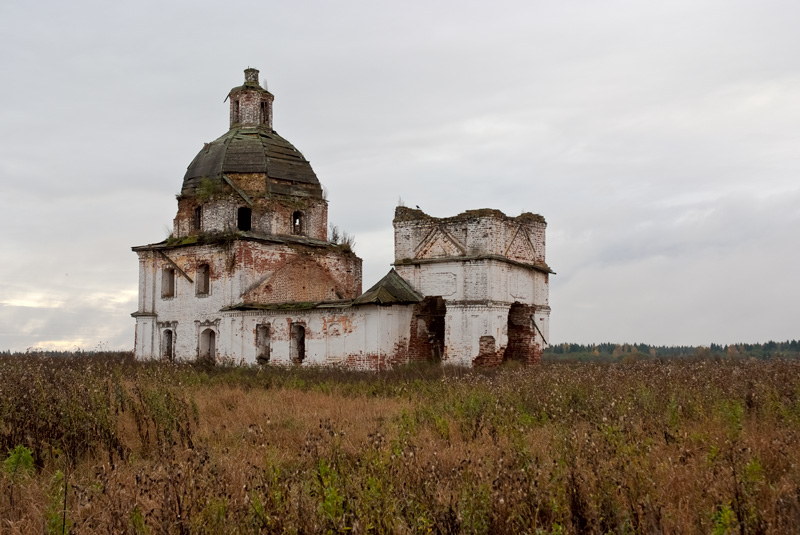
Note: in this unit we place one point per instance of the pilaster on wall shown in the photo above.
(145, 347)
(542, 325)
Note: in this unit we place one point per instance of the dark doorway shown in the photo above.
(298, 343)
(208, 345)
(167, 345)
(427, 341)
(521, 335)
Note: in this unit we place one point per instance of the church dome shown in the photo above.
(251, 150)
(252, 146)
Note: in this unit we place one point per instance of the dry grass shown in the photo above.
(645, 447)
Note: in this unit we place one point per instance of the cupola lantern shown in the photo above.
(251, 104)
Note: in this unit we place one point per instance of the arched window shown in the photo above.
(197, 222)
(167, 345)
(202, 280)
(208, 345)
(236, 112)
(297, 223)
(298, 343)
(243, 218)
(262, 343)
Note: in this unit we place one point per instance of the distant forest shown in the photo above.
(626, 352)
(566, 352)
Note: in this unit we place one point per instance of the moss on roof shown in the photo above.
(249, 86)
(390, 290)
(528, 217)
(403, 213)
(252, 149)
(215, 238)
(292, 306)
(301, 305)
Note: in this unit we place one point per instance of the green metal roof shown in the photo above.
(390, 290)
(250, 149)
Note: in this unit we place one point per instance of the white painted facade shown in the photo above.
(249, 277)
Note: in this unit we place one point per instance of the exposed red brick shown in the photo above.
(427, 331)
(488, 355)
(522, 337)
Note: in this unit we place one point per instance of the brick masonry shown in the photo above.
(271, 213)
(284, 295)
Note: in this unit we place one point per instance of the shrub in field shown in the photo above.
(18, 466)
(19, 463)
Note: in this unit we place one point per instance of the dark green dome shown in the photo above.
(251, 149)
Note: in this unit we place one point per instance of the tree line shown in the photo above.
(617, 352)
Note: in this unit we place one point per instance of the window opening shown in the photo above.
(197, 222)
(167, 345)
(297, 223)
(208, 345)
(168, 283)
(264, 113)
(203, 280)
(243, 218)
(236, 111)
(262, 344)
(298, 345)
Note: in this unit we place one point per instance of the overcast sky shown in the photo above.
(660, 140)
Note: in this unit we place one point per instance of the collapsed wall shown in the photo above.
(490, 271)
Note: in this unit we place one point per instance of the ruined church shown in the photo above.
(249, 275)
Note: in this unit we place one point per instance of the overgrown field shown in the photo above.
(101, 444)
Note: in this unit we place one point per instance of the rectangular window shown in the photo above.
(244, 217)
(203, 280)
(197, 221)
(297, 223)
(264, 113)
(168, 283)
(262, 344)
(297, 344)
